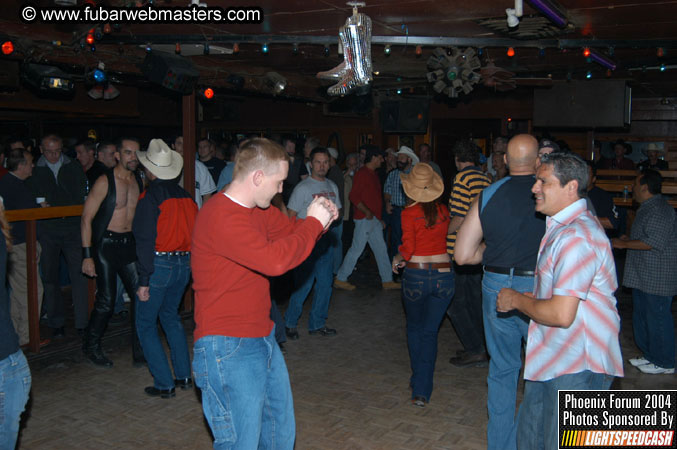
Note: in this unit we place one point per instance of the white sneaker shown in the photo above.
(639, 361)
(654, 369)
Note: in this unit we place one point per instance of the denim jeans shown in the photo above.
(317, 269)
(465, 310)
(367, 231)
(653, 327)
(503, 333)
(537, 420)
(15, 385)
(167, 284)
(426, 294)
(336, 244)
(246, 395)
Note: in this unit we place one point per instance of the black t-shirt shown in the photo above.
(511, 226)
(16, 195)
(603, 202)
(94, 172)
(215, 166)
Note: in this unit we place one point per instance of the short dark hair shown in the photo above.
(89, 144)
(119, 141)
(591, 164)
(466, 151)
(15, 158)
(567, 167)
(288, 138)
(317, 150)
(653, 179)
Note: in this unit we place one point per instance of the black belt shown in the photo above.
(510, 271)
(428, 265)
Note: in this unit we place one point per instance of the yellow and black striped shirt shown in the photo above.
(468, 183)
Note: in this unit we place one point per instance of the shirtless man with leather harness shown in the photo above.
(108, 247)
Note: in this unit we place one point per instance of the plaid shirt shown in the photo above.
(393, 187)
(653, 271)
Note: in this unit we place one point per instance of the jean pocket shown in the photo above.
(218, 415)
(445, 287)
(162, 274)
(412, 290)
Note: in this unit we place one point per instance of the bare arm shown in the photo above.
(91, 207)
(558, 311)
(635, 244)
(469, 247)
(367, 212)
(455, 224)
(388, 205)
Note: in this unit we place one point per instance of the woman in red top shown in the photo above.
(428, 280)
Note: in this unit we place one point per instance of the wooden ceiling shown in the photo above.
(627, 31)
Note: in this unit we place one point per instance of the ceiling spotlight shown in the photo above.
(399, 92)
(236, 48)
(510, 52)
(264, 47)
(588, 75)
(295, 48)
(513, 20)
(386, 50)
(662, 68)
(326, 50)
(586, 52)
(177, 48)
(419, 50)
(660, 52)
(90, 38)
(207, 93)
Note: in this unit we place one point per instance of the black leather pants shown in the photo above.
(116, 255)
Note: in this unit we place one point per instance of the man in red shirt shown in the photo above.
(238, 242)
(367, 200)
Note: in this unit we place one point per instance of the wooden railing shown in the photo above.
(616, 181)
(31, 216)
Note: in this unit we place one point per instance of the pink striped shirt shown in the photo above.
(575, 260)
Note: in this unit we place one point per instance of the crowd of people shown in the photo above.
(518, 253)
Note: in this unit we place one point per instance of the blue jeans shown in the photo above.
(537, 421)
(426, 294)
(367, 231)
(317, 267)
(503, 333)
(246, 395)
(15, 385)
(336, 244)
(167, 285)
(653, 327)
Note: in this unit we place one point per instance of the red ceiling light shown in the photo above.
(208, 93)
(107, 28)
(90, 38)
(177, 49)
(7, 48)
(660, 52)
(586, 52)
(419, 50)
(510, 52)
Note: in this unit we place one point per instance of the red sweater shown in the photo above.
(366, 189)
(234, 251)
(419, 240)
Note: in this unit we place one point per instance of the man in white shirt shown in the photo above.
(204, 183)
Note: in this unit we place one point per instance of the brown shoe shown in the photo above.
(340, 284)
(391, 285)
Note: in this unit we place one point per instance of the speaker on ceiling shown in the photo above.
(173, 72)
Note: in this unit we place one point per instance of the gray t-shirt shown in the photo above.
(306, 190)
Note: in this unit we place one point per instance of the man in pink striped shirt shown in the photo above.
(573, 334)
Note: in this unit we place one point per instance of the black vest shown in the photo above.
(107, 208)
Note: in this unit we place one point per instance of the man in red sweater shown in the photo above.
(367, 199)
(238, 242)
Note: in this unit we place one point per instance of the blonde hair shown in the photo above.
(258, 154)
(4, 225)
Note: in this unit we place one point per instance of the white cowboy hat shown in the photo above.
(160, 160)
(404, 150)
(654, 147)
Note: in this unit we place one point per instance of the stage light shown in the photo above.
(662, 68)
(90, 38)
(208, 93)
(236, 48)
(326, 50)
(588, 75)
(586, 52)
(660, 52)
(419, 50)
(510, 52)
(7, 48)
(107, 28)
(295, 48)
(177, 49)
(386, 50)
(99, 76)
(264, 47)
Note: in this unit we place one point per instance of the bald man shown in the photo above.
(503, 216)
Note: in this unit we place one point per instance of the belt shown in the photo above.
(510, 271)
(172, 253)
(428, 265)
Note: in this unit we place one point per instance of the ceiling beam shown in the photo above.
(393, 40)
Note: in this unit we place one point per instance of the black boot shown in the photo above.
(92, 340)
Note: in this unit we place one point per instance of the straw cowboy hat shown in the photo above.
(160, 160)
(422, 184)
(654, 147)
(404, 150)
